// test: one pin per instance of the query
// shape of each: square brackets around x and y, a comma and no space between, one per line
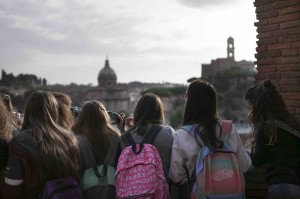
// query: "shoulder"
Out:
[82,140]
[184,134]
[23,144]
[168,129]
[186,130]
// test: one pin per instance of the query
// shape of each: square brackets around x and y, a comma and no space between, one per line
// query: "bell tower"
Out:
[230,48]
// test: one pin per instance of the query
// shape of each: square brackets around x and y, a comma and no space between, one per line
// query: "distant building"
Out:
[114,96]
[222,64]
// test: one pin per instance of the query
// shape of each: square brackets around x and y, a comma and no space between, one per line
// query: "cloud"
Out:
[208,3]
[70,27]
[43,37]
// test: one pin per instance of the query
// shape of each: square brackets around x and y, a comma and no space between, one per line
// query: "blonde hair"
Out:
[5,122]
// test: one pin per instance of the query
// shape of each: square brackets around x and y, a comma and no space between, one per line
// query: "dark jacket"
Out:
[24,148]
[22,164]
[281,160]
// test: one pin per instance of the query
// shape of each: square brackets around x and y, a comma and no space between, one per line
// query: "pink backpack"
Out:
[140,171]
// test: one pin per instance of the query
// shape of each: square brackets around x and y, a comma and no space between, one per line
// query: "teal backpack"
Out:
[99,180]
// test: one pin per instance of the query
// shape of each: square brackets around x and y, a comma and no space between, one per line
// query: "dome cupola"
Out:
[107,76]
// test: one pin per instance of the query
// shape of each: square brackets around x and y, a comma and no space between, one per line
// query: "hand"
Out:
[121,125]
[249,115]
[129,122]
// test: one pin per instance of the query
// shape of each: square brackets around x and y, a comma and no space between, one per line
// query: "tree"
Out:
[231,86]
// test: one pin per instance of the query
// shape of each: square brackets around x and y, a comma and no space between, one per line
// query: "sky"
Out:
[157,41]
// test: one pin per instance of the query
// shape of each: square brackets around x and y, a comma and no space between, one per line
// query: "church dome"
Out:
[107,76]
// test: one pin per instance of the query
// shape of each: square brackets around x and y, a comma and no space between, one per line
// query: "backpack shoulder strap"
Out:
[151,134]
[127,139]
[188,127]
[112,151]
[191,129]
[226,129]
[87,153]
[89,158]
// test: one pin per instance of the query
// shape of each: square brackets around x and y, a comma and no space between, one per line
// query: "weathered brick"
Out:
[285,67]
[282,39]
[266,68]
[263,8]
[295,37]
[298,110]
[289,24]
[290,88]
[277,33]
[286,60]
[267,14]
[264,35]
[296,44]
[265,61]
[294,30]
[289,52]
[292,110]
[268,28]
[291,96]
[282,48]
[260,76]
[273,75]
[290,74]
[264,41]
[284,4]
[258,3]
[261,48]
[291,9]
[279,46]
[295,103]
[261,22]
[284,18]
[274,53]
[296,67]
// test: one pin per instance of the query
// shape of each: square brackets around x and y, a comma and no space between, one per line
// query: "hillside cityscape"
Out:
[231,79]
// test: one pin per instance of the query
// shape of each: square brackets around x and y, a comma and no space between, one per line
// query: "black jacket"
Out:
[281,160]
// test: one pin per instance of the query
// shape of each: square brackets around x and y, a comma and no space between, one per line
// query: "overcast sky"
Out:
[158,41]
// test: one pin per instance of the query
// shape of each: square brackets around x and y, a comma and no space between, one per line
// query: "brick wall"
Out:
[278,47]
[278,59]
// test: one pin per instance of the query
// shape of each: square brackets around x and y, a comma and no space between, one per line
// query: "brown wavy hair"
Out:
[268,106]
[66,118]
[94,122]
[5,122]
[14,121]
[149,109]
[57,147]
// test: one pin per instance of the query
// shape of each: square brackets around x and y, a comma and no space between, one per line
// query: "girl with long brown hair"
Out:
[277,140]
[149,112]
[201,113]
[42,151]
[94,123]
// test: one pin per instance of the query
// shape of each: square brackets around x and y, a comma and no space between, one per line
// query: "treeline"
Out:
[21,80]
[231,86]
